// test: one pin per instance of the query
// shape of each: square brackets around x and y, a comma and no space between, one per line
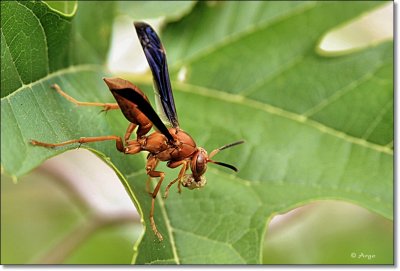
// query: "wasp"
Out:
[172,145]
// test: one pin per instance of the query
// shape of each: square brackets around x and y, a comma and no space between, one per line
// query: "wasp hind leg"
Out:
[118,142]
[106,106]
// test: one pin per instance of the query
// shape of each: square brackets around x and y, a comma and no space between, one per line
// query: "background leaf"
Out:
[66,7]
[91,41]
[141,10]
[335,232]
[54,217]
[254,75]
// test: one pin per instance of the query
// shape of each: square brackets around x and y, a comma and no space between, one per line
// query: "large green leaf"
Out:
[38,44]
[37,40]
[281,62]
[315,127]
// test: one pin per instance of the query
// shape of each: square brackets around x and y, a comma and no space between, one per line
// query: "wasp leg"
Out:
[118,142]
[175,164]
[106,106]
[129,131]
[148,182]
[143,129]
[151,165]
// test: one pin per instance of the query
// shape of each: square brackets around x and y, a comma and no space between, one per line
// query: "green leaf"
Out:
[257,76]
[285,62]
[252,72]
[91,33]
[141,10]
[38,46]
[36,40]
[65,7]
[24,47]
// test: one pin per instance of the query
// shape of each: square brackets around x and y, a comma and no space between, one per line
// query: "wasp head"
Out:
[198,166]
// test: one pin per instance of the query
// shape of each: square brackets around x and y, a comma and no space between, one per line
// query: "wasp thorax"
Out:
[192,183]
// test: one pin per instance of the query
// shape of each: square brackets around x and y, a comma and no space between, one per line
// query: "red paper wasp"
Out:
[165,144]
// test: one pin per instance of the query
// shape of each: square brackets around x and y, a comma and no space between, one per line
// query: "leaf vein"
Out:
[238,99]
[237,36]
[42,112]
[377,120]
[44,36]
[13,62]
[19,132]
[70,69]
[228,245]
[338,94]
[264,80]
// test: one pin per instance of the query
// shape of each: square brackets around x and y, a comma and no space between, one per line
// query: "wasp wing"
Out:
[157,59]
[125,89]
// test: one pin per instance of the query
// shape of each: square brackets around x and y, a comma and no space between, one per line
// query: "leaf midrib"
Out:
[169,228]
[238,99]
[274,110]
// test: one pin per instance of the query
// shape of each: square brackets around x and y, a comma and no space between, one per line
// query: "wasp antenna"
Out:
[224,165]
[214,152]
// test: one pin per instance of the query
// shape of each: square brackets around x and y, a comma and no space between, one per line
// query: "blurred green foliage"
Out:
[330,232]
[39,216]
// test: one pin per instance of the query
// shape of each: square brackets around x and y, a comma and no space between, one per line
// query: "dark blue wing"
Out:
[157,59]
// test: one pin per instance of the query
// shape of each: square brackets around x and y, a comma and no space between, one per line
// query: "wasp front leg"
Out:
[150,169]
[175,164]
